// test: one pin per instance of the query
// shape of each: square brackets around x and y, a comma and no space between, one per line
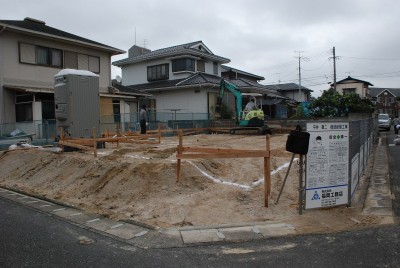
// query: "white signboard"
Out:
[327,177]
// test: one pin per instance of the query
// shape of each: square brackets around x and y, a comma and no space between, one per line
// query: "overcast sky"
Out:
[263,37]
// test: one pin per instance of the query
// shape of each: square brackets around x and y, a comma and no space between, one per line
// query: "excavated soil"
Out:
[138,182]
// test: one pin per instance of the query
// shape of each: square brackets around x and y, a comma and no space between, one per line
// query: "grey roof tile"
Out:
[206,79]
[41,28]
[350,79]
[226,68]
[288,87]
[376,91]
[172,51]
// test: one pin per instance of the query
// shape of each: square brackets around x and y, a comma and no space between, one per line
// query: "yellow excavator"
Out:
[251,119]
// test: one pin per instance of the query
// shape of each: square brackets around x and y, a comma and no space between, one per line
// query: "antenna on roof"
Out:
[144,43]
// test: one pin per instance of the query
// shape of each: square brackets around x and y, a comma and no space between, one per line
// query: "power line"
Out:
[358,58]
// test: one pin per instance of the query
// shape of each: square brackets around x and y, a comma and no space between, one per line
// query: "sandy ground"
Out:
[138,182]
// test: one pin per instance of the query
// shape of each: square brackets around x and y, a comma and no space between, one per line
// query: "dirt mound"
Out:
[138,182]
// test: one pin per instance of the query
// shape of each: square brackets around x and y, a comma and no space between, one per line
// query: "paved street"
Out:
[33,239]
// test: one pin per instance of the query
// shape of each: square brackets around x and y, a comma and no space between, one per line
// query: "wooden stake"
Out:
[62,137]
[159,132]
[94,142]
[267,173]
[178,170]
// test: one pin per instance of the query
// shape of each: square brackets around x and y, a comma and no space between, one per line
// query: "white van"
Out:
[384,121]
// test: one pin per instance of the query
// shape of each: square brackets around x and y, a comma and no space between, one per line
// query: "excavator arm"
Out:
[225,85]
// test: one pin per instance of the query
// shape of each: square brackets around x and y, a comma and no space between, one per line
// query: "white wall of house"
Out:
[359,88]
[209,68]
[294,94]
[188,101]
[134,74]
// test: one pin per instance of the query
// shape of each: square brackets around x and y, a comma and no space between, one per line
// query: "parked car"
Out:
[384,121]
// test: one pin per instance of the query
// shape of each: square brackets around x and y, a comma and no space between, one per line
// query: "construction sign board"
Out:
[327,168]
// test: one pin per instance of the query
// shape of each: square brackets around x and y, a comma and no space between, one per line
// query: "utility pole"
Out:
[299,58]
[334,68]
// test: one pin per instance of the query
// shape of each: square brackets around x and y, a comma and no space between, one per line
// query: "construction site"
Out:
[193,178]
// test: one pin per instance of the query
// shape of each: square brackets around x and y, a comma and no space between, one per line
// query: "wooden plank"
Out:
[74,145]
[222,155]
[218,150]
[212,153]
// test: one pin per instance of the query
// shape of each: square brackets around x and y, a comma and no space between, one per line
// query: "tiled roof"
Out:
[184,49]
[40,28]
[350,79]
[200,78]
[288,87]
[131,91]
[227,69]
[376,91]
[206,79]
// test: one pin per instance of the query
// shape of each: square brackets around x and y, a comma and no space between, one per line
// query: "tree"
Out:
[332,104]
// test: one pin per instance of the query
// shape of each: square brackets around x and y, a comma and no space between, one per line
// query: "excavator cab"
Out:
[247,119]
[252,115]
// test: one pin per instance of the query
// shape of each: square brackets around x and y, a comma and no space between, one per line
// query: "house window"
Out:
[157,72]
[391,99]
[348,90]
[116,111]
[81,61]
[23,107]
[379,99]
[215,68]
[40,55]
[201,66]
[180,65]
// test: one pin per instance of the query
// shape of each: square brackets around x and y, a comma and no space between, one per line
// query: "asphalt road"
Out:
[29,238]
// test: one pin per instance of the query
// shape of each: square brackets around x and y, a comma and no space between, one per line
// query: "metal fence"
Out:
[46,129]
[362,131]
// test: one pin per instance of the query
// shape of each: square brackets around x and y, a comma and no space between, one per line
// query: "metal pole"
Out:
[301,185]
[46,131]
[284,181]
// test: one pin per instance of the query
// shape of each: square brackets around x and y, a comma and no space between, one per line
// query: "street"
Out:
[33,239]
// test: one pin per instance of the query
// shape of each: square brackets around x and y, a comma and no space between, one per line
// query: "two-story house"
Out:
[352,85]
[386,100]
[31,53]
[184,80]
